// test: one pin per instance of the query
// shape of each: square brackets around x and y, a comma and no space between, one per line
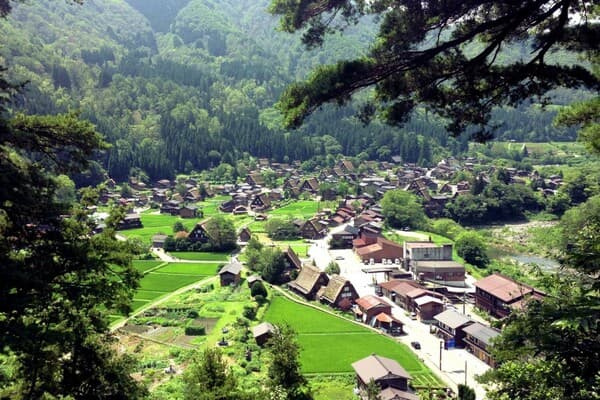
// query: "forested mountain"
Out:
[181,85]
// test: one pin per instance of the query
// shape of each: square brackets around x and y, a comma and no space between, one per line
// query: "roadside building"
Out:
[425,251]
[378,250]
[427,307]
[445,272]
[389,324]
[478,340]
[451,326]
[369,306]
[499,295]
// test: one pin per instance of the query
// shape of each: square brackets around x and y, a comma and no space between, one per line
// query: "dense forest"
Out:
[182,85]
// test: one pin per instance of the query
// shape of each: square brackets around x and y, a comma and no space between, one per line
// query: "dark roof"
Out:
[233,268]
[376,367]
[293,257]
[481,332]
[453,319]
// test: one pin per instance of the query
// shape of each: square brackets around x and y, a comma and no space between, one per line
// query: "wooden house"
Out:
[499,295]
[158,241]
[199,234]
[310,185]
[339,293]
[427,307]
[478,339]
[369,306]
[255,179]
[261,202]
[291,259]
[391,378]
[230,274]
[130,221]
[451,326]
[188,211]
[312,229]
[309,281]
[245,235]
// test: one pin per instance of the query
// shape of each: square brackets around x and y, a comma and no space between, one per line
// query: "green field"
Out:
[145,265]
[203,269]
[325,337]
[298,209]
[200,256]
[156,223]
[168,278]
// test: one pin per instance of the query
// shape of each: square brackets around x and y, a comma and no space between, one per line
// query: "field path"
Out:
[164,256]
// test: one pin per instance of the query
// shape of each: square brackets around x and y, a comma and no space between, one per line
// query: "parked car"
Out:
[413,315]
[416,345]
[339,258]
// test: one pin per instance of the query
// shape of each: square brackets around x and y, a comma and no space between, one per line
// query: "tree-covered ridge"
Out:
[177,86]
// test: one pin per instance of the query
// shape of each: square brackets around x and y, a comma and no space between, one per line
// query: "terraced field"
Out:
[325,337]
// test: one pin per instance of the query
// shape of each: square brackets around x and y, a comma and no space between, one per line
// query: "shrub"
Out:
[195,330]
[249,312]
[258,289]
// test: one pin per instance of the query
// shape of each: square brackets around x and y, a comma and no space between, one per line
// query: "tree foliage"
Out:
[471,246]
[402,209]
[281,229]
[57,280]
[284,369]
[551,348]
[209,378]
[447,56]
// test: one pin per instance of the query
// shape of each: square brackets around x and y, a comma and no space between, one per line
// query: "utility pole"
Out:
[441,348]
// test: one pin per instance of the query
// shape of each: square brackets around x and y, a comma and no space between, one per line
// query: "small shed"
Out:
[230,274]
[262,332]
[245,235]
[158,241]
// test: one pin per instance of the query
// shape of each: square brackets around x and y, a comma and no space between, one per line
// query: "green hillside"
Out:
[182,85]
